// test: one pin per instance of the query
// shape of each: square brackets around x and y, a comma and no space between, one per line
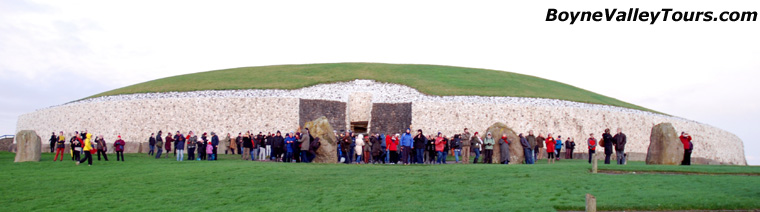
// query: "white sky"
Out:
[53,52]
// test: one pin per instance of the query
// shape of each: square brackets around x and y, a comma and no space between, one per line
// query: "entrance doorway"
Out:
[359,127]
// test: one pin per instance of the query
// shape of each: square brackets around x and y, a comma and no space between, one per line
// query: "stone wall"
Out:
[335,111]
[136,119]
[576,122]
[390,118]
[135,116]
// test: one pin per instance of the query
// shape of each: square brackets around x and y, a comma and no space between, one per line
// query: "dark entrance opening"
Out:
[359,127]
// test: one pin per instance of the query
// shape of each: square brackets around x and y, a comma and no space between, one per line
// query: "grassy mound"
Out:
[144,183]
[428,79]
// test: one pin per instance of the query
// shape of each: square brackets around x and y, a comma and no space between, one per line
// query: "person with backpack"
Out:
[687,148]
[159,144]
[60,146]
[504,149]
[118,147]
[620,141]
[591,147]
[607,143]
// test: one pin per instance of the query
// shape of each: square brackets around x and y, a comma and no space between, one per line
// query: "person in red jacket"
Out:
[391,142]
[118,147]
[550,143]
[591,147]
[687,147]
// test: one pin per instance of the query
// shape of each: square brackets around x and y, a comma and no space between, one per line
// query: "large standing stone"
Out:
[516,154]
[28,144]
[664,146]
[320,128]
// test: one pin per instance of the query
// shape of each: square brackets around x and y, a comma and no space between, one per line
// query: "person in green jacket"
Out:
[488,146]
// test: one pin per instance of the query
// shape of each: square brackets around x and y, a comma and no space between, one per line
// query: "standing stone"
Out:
[516,154]
[320,128]
[664,145]
[28,144]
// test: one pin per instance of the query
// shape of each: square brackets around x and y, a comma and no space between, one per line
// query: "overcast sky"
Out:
[53,52]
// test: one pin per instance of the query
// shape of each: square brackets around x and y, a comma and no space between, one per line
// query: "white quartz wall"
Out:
[576,122]
[134,120]
[135,116]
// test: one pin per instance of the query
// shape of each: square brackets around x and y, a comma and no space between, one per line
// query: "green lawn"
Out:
[429,79]
[147,184]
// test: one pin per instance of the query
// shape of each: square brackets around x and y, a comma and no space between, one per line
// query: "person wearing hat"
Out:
[86,149]
[504,149]
[477,144]
[192,143]
[466,144]
[214,144]
[419,146]
[118,147]
[688,147]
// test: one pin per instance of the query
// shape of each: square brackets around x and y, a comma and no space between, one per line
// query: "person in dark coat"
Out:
[247,146]
[278,142]
[569,147]
[101,147]
[608,143]
[620,141]
[152,144]
[214,144]
[202,146]
[419,146]
[168,143]
[192,143]
[180,147]
[527,150]
[53,140]
[504,149]
[159,144]
[377,148]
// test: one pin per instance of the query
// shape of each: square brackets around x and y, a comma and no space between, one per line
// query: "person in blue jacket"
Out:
[289,142]
[214,144]
[406,146]
[558,146]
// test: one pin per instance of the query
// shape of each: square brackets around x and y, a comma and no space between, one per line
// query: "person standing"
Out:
[202,143]
[152,144]
[377,149]
[358,149]
[53,141]
[465,140]
[101,147]
[86,148]
[248,145]
[446,147]
[477,145]
[591,147]
[60,146]
[527,149]
[76,146]
[558,148]
[305,141]
[550,143]
[192,143]
[406,147]
[620,141]
[539,149]
[159,145]
[569,147]
[209,151]
[278,143]
[488,146]
[168,141]
[269,142]
[180,148]
[439,144]
[430,153]
[118,147]
[177,139]
[687,148]
[228,144]
[504,149]
[607,142]
[215,145]
[392,143]
[289,143]
[533,145]
[419,146]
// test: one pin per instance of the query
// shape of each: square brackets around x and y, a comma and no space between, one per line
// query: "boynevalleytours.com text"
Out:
[651,17]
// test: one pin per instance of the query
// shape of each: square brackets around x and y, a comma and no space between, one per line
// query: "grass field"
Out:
[429,79]
[146,184]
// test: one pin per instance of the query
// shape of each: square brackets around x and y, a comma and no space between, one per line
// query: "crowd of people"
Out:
[400,148]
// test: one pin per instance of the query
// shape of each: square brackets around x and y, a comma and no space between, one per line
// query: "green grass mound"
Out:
[428,79]
[144,183]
